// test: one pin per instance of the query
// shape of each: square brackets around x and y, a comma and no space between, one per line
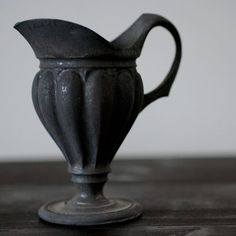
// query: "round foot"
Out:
[112,211]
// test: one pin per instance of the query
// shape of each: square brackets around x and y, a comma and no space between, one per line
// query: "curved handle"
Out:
[164,88]
[132,40]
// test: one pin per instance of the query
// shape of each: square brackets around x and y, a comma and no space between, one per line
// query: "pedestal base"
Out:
[111,211]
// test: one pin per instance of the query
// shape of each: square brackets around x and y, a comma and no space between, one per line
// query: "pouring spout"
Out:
[52,38]
[58,39]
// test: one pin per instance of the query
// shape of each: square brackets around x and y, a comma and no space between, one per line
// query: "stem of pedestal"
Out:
[90,189]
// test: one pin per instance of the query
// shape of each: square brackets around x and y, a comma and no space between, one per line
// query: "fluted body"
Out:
[88,112]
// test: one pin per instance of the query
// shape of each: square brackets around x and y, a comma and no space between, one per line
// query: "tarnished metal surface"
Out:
[88,94]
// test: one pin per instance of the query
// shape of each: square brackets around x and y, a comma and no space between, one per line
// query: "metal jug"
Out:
[88,94]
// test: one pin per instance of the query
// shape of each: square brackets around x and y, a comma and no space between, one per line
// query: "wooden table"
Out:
[183,197]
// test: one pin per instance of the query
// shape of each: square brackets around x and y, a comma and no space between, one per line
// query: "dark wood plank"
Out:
[180,197]
[164,170]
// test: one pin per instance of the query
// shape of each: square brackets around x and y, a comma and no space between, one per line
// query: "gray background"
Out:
[198,118]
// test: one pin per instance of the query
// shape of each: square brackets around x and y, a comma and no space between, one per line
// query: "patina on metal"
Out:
[88,94]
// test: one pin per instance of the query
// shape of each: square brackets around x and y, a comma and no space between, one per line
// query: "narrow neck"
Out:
[89,178]
[94,63]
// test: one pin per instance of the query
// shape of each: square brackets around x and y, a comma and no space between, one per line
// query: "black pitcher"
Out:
[88,94]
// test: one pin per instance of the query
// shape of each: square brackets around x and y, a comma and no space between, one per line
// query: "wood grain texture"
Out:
[187,197]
